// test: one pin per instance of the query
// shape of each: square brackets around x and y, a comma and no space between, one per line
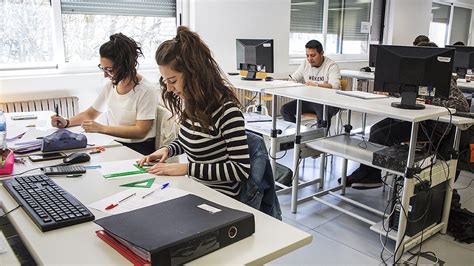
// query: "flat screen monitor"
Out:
[372,55]
[404,69]
[257,52]
[463,59]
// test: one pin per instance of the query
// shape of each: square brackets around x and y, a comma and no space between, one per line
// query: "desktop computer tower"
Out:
[418,205]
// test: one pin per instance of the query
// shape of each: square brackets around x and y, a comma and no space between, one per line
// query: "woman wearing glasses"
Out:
[128,98]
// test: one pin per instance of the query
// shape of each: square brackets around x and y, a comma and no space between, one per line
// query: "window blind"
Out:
[307,16]
[353,12]
[152,8]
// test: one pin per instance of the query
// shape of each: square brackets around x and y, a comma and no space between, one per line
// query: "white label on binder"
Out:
[266,45]
[444,59]
[209,208]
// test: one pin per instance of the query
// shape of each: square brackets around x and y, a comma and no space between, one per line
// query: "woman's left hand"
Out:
[91,126]
[172,169]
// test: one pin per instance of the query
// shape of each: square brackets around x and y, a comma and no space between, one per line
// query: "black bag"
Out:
[461,221]
[467,138]
[284,175]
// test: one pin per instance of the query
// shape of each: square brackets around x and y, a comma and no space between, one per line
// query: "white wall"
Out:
[85,86]
[221,22]
[408,19]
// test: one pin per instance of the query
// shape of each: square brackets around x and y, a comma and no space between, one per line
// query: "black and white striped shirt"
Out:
[219,159]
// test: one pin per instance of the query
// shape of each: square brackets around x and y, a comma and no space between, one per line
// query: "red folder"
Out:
[125,251]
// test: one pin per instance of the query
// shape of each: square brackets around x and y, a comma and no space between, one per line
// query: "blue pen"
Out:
[165,185]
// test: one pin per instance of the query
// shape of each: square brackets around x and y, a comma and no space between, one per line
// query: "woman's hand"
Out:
[91,126]
[58,121]
[173,169]
[161,155]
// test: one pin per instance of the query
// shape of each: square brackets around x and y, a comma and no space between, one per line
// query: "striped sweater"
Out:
[220,159]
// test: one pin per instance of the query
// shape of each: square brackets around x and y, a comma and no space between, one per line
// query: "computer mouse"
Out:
[268,79]
[77,157]
[366,69]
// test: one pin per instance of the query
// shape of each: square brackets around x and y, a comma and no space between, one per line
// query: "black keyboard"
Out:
[47,204]
[64,170]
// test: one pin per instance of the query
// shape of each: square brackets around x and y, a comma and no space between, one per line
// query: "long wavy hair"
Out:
[123,52]
[205,88]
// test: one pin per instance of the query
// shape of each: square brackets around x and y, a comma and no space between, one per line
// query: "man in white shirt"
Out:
[317,70]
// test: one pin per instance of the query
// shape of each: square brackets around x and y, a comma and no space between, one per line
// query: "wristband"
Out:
[67,123]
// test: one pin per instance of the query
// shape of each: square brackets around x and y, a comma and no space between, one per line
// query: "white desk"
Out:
[283,141]
[260,85]
[79,245]
[380,107]
[356,75]
[465,86]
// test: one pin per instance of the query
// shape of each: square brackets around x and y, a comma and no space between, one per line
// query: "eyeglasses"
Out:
[107,70]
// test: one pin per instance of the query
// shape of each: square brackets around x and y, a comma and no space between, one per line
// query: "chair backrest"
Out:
[167,128]
[344,83]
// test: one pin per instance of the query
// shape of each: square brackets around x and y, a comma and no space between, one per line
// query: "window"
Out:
[345,32]
[306,23]
[88,24]
[450,23]
[342,26]
[26,36]
[460,26]
[439,23]
[36,33]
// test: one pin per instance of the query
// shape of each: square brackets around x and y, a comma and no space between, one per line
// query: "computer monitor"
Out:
[463,59]
[256,52]
[372,55]
[404,69]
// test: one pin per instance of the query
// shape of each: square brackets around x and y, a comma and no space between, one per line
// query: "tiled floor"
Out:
[341,239]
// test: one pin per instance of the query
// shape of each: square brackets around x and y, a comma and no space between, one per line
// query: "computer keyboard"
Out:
[64,170]
[48,205]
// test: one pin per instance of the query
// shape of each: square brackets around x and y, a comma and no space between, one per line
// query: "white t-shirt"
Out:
[328,72]
[124,110]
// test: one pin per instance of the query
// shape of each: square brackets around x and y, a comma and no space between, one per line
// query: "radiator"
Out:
[67,106]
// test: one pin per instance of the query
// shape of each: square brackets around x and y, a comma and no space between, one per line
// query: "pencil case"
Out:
[7,162]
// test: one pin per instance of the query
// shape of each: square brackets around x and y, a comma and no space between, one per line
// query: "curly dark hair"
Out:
[205,86]
[123,52]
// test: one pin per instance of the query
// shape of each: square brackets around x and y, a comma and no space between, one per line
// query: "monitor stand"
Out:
[408,101]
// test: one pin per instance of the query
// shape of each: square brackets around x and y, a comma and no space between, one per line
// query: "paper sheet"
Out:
[13,131]
[136,201]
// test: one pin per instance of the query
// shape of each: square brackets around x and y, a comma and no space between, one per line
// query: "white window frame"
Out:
[295,59]
[60,66]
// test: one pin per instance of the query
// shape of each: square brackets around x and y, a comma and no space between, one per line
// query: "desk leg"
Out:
[408,186]
[296,157]
[449,191]
[364,122]
[273,139]
[322,163]
[344,160]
